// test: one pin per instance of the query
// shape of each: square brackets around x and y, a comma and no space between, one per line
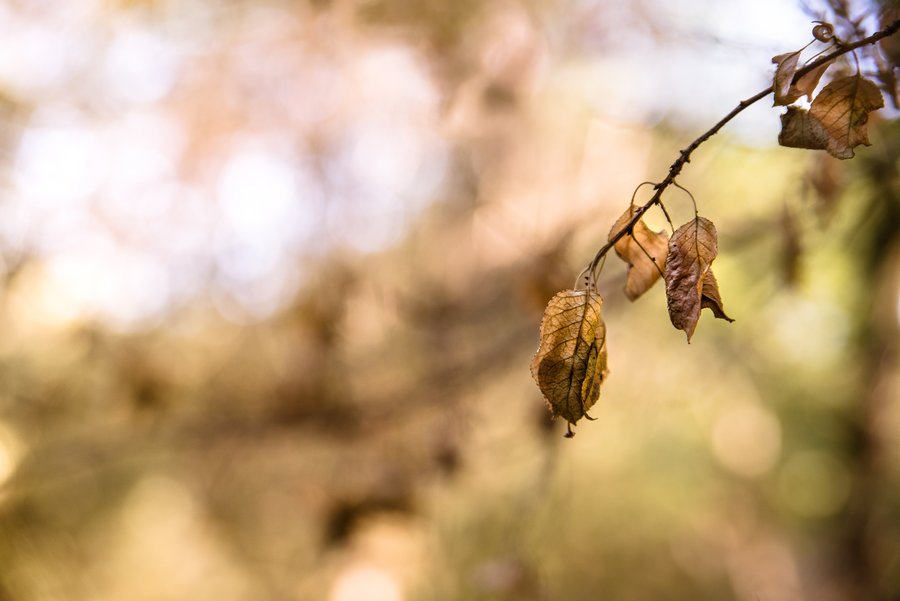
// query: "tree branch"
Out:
[685,155]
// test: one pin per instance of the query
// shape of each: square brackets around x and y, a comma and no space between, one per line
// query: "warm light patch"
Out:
[746,439]
[10,452]
[363,582]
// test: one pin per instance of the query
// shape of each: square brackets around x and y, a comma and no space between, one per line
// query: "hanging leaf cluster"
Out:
[837,118]
[571,362]
[570,365]
[684,262]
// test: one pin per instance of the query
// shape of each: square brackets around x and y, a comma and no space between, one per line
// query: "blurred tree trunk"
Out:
[869,537]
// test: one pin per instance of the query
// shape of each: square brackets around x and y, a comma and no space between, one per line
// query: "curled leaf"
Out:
[843,107]
[710,298]
[784,74]
[824,32]
[570,364]
[690,283]
[645,252]
[807,83]
[788,92]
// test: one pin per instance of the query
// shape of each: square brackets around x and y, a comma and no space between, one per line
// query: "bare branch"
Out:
[685,155]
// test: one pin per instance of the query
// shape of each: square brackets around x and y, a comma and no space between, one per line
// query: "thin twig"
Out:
[685,155]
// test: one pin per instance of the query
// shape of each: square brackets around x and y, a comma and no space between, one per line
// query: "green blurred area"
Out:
[273,275]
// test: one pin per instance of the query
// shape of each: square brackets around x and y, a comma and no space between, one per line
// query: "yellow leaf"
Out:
[690,283]
[570,364]
[843,107]
[645,252]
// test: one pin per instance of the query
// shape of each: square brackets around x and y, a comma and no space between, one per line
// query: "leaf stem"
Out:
[688,192]
[685,155]
[640,185]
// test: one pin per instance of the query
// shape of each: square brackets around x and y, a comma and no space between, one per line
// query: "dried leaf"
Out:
[710,298]
[824,32]
[843,107]
[787,92]
[690,283]
[784,74]
[806,85]
[570,364]
[800,130]
[645,252]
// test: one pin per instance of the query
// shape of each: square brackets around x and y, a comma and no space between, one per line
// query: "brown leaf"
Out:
[710,298]
[800,130]
[806,85]
[645,252]
[784,74]
[570,364]
[787,92]
[690,283]
[824,32]
[843,107]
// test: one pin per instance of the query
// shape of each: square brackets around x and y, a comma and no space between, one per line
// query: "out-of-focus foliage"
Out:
[271,278]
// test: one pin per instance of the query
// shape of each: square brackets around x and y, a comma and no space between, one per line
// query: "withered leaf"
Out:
[843,107]
[710,298]
[824,32]
[690,283]
[801,130]
[806,85]
[784,74]
[645,252]
[787,92]
[570,364]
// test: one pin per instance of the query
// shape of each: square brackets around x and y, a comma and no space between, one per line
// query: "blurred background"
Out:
[271,276]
